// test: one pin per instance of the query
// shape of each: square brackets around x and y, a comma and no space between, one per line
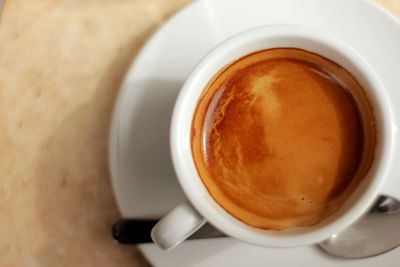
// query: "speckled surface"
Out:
[61,64]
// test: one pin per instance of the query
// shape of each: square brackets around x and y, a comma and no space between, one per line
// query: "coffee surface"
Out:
[282,137]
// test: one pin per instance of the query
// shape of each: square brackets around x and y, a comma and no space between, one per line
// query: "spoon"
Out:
[375,233]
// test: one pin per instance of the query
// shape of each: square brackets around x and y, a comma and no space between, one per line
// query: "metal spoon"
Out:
[375,233]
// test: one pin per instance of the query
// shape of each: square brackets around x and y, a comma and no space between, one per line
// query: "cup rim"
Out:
[180,138]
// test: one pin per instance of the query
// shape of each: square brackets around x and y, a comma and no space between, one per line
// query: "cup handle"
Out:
[177,226]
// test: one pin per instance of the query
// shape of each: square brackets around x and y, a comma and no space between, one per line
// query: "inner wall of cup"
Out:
[368,189]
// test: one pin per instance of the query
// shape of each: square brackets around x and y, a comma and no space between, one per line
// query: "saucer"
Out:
[142,174]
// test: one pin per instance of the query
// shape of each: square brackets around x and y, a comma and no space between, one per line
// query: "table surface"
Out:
[61,66]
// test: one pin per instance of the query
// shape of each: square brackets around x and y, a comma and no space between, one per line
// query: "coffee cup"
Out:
[202,205]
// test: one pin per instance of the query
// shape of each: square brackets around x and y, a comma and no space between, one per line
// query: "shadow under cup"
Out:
[283,37]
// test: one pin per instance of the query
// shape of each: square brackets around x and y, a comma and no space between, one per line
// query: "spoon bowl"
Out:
[375,233]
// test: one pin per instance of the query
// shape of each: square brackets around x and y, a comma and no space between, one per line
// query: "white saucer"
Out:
[142,173]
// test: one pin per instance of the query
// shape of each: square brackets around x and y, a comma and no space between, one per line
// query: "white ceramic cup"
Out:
[200,208]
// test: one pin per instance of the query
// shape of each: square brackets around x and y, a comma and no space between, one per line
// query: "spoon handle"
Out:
[131,231]
[127,231]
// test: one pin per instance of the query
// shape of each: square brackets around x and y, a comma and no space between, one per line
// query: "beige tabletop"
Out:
[61,65]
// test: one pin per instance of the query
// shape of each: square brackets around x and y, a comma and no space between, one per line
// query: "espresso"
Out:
[282,137]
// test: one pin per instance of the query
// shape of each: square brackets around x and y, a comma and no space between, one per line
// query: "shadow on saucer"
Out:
[147,183]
